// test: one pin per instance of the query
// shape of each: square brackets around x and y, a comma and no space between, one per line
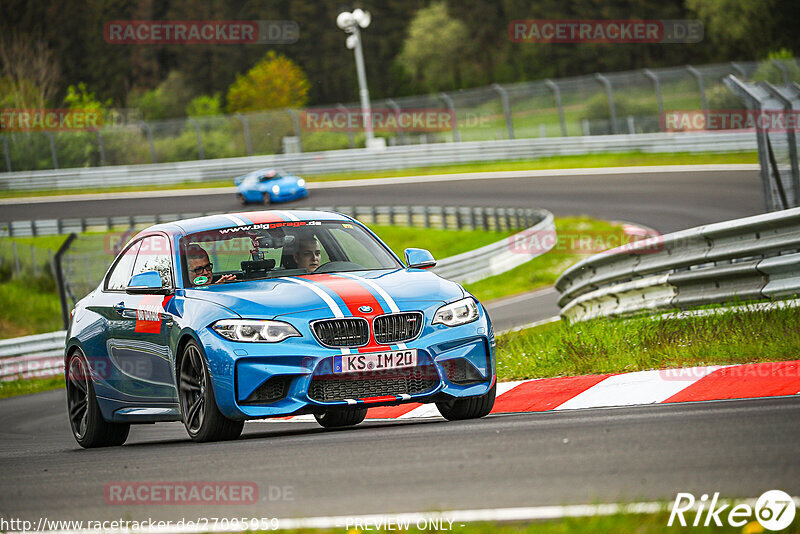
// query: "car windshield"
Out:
[271,250]
[271,175]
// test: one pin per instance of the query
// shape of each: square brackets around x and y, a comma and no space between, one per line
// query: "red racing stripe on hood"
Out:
[354,296]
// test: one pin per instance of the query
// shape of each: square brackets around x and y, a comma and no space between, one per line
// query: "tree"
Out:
[274,82]
[743,29]
[78,97]
[29,73]
[434,48]
[769,72]
[203,106]
[167,101]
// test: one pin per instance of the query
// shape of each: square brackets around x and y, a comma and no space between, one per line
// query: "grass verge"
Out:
[441,243]
[576,238]
[29,306]
[13,388]
[623,159]
[642,343]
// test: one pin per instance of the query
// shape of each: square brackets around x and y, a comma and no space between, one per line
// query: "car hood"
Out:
[285,181]
[408,288]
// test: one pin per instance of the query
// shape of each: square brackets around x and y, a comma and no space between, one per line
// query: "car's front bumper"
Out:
[286,196]
[296,375]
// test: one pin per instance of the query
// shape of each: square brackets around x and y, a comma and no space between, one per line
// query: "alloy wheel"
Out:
[193,381]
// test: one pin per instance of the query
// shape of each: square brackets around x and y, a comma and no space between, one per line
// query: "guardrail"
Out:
[472,218]
[496,258]
[36,356]
[352,160]
[745,259]
[42,355]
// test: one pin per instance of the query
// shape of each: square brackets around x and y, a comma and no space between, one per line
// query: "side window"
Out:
[355,250]
[121,273]
[154,255]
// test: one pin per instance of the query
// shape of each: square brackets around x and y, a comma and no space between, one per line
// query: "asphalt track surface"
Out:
[739,448]
[665,201]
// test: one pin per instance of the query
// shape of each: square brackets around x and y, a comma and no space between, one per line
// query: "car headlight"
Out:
[457,313]
[256,331]
[301,182]
[276,189]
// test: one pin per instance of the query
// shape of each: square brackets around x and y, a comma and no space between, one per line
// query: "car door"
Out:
[94,338]
[137,345]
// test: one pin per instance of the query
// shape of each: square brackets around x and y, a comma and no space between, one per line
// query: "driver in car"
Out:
[308,253]
[199,266]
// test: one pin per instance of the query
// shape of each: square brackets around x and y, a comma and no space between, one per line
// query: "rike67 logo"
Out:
[774,510]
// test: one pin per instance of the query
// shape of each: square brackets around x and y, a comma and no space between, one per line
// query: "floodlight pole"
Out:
[363,92]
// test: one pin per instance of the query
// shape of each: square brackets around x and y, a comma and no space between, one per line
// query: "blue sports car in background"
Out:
[216,320]
[266,186]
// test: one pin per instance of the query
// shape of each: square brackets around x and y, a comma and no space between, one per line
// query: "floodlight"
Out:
[345,20]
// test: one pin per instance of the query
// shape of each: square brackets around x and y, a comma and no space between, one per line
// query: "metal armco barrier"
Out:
[43,355]
[36,356]
[496,258]
[361,159]
[420,216]
[744,259]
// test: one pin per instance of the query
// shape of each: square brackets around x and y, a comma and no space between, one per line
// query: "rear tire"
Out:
[85,419]
[340,418]
[240,199]
[201,417]
[468,408]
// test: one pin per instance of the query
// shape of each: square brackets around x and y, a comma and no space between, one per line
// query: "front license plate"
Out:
[375,361]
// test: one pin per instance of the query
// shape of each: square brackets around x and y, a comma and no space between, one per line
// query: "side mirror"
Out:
[419,258]
[147,283]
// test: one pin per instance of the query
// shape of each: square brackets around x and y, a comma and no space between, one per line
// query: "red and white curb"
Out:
[689,384]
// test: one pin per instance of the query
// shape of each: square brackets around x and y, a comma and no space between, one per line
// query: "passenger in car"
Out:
[308,253]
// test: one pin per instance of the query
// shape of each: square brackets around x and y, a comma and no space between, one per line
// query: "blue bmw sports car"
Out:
[266,186]
[216,320]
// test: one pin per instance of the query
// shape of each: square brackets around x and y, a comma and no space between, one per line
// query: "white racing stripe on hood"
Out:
[287,215]
[337,311]
[236,220]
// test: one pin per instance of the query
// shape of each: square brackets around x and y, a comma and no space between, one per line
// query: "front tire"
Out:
[267,200]
[468,408]
[340,418]
[201,417]
[85,419]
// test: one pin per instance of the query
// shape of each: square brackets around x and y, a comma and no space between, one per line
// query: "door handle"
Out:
[119,307]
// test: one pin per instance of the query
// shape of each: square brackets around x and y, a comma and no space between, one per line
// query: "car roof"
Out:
[246,218]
